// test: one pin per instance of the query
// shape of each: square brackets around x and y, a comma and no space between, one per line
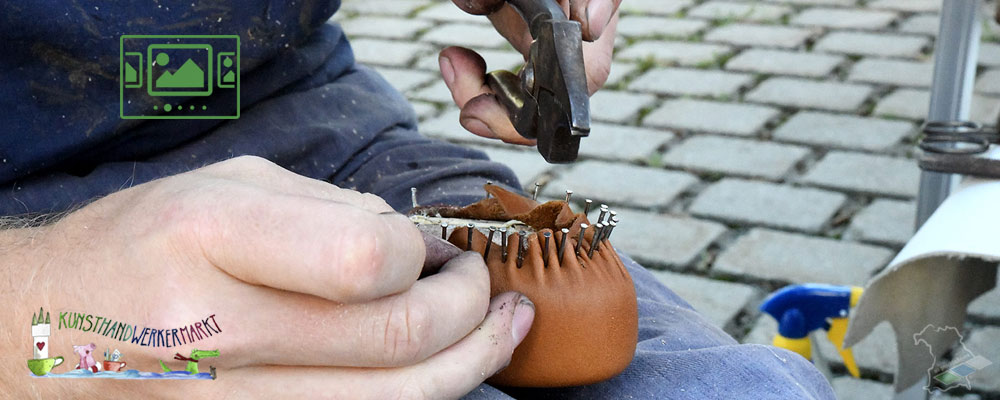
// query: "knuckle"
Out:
[407,331]
[361,262]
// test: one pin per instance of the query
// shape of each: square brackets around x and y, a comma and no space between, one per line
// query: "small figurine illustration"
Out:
[41,364]
[86,358]
[192,361]
[113,361]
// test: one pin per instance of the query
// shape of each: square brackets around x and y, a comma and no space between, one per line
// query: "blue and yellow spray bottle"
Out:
[802,309]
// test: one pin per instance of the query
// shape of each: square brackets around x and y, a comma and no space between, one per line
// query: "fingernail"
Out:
[478,127]
[524,315]
[447,71]
[598,15]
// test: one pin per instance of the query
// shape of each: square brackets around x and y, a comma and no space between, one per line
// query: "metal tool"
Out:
[569,193]
[586,206]
[413,196]
[548,100]
[534,195]
[444,231]
[579,240]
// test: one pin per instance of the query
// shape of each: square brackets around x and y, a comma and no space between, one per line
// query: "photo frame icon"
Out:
[179,77]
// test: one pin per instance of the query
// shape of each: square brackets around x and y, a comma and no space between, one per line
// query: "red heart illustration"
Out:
[40,345]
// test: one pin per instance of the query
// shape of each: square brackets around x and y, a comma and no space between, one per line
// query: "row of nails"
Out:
[606,223]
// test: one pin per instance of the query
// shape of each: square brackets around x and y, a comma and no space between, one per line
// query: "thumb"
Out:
[485,351]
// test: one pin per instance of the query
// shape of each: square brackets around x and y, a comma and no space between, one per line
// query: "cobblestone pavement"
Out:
[769,142]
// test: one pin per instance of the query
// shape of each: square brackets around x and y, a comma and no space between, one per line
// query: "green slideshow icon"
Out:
[179,77]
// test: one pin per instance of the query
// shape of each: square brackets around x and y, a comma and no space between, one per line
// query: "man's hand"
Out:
[315,290]
[464,71]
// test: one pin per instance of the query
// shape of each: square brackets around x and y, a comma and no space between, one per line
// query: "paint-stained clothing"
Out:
[308,107]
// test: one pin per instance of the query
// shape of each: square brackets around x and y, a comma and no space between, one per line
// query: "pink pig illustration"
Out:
[86,358]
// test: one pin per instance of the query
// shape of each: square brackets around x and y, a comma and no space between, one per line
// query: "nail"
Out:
[562,247]
[468,244]
[522,245]
[569,193]
[489,243]
[503,243]
[586,206]
[478,127]
[534,195]
[594,239]
[447,71]
[444,231]
[524,315]
[579,240]
[596,20]
[413,196]
[545,248]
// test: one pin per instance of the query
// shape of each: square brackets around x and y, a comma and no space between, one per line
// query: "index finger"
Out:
[329,249]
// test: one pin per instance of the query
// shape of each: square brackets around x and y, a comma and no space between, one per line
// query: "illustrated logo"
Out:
[114,365]
[956,373]
[179,77]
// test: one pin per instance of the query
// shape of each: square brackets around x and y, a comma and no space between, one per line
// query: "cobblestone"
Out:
[447,127]
[405,79]
[884,221]
[989,54]
[619,70]
[987,305]
[907,5]
[387,52]
[640,235]
[726,10]
[621,184]
[842,18]
[804,93]
[436,93]
[691,82]
[467,35]
[702,294]
[526,164]
[760,35]
[843,131]
[783,62]
[398,8]
[616,106]
[779,256]
[740,119]
[989,82]
[914,104]
[816,2]
[983,342]
[623,143]
[921,24]
[655,7]
[866,173]
[683,53]
[448,12]
[495,59]
[735,156]
[873,44]
[893,72]
[376,27]
[643,26]
[767,204]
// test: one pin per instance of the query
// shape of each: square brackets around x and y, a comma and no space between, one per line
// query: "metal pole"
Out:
[956,55]
[955,58]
